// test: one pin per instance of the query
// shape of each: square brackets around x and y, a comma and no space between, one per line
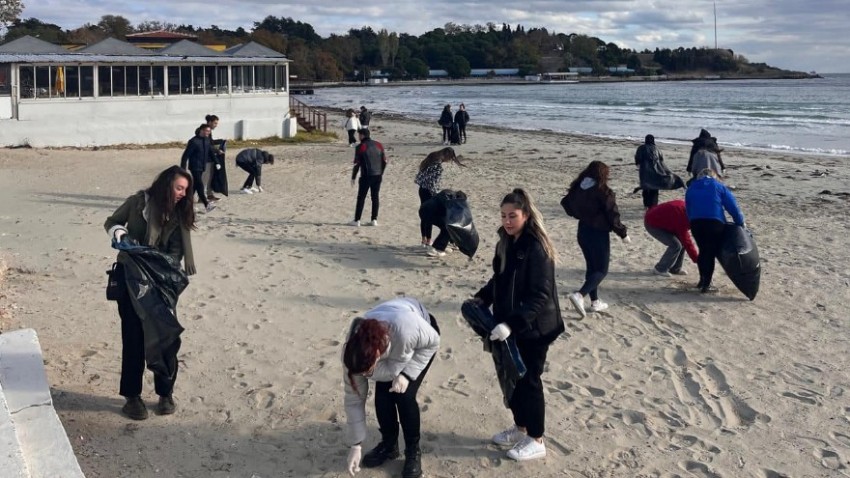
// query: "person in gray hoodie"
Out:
[393,345]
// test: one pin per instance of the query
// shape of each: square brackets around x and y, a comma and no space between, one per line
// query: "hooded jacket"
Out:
[199,151]
[445,119]
[461,117]
[704,142]
[413,342]
[707,198]
[594,207]
[524,294]
[671,216]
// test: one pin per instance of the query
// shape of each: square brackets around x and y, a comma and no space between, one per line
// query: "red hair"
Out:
[368,342]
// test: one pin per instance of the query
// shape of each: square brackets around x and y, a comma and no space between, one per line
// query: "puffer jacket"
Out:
[594,207]
[198,153]
[524,295]
[413,342]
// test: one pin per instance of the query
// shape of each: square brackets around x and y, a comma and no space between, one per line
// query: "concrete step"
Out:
[46,450]
[11,456]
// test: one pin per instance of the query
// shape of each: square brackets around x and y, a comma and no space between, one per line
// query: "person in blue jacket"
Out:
[705,202]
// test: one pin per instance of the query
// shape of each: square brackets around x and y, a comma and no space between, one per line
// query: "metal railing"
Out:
[314,118]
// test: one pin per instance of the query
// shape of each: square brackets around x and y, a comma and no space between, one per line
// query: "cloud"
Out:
[785,33]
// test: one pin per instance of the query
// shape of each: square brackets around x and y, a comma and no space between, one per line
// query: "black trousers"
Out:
[708,234]
[392,408]
[252,175]
[527,403]
[424,224]
[596,247]
[133,355]
[351,138]
[462,130]
[200,188]
[446,133]
[650,197]
[368,184]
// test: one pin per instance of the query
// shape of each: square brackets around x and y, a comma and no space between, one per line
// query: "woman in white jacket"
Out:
[352,125]
[392,345]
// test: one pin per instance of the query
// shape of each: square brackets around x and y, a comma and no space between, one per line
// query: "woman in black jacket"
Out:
[594,204]
[524,297]
[195,157]
[446,120]
[461,118]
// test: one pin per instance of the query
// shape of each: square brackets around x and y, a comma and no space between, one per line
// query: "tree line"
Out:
[457,49]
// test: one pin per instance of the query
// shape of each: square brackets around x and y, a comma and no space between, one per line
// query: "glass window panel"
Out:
[221,71]
[5,80]
[264,80]
[174,87]
[72,81]
[104,81]
[145,80]
[119,81]
[248,78]
[86,81]
[43,82]
[280,79]
[210,80]
[158,77]
[27,74]
[236,79]
[186,79]
[198,80]
[132,80]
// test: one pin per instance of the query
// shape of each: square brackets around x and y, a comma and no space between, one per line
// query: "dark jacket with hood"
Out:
[198,152]
[445,119]
[704,142]
[594,207]
[524,295]
[652,171]
[461,117]
[365,117]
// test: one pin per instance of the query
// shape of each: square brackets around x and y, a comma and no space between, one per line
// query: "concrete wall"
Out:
[141,120]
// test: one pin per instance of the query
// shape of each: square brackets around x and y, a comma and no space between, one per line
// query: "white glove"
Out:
[260,188]
[353,460]
[400,384]
[217,166]
[118,234]
[500,332]
[627,239]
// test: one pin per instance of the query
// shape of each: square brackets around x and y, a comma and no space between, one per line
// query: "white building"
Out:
[113,92]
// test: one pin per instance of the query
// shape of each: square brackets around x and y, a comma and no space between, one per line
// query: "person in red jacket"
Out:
[668,222]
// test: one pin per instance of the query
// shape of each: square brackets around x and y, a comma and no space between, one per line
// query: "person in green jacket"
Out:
[163,217]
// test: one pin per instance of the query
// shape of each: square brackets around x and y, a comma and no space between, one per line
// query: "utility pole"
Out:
[715,24]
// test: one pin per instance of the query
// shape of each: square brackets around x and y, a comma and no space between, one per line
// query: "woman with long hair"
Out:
[393,345]
[593,203]
[445,121]
[352,125]
[161,216]
[524,298]
[428,179]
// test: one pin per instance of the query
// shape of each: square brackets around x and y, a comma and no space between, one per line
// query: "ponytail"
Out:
[534,226]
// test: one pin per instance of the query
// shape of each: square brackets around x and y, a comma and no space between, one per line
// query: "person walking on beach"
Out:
[365,117]
[428,179]
[251,161]
[653,173]
[215,174]
[461,119]
[370,161]
[593,203]
[524,298]
[705,153]
[196,156]
[352,125]
[446,121]
[393,345]
[161,217]
[705,201]
[668,222]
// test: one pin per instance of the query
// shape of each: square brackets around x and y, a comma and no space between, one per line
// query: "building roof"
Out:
[188,48]
[253,49]
[111,46]
[151,58]
[160,34]
[31,46]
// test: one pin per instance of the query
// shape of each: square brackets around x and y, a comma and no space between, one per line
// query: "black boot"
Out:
[412,463]
[135,408]
[381,453]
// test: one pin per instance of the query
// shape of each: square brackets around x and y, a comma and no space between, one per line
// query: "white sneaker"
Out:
[578,303]
[527,449]
[434,253]
[449,248]
[354,223]
[256,189]
[598,306]
[246,191]
[509,437]
[660,273]
[373,222]
[209,207]
[680,272]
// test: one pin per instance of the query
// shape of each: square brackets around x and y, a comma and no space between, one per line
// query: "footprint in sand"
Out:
[454,383]
[765,473]
[698,469]
[804,396]
[828,459]
[261,399]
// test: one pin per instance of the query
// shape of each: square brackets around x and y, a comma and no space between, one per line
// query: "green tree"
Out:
[35,28]
[115,26]
[416,68]
[10,11]
[458,67]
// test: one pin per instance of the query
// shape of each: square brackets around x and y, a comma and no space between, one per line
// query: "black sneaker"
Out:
[166,405]
[135,408]
[381,453]
[412,464]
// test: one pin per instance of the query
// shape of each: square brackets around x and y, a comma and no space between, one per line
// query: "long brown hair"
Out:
[534,226]
[442,156]
[161,194]
[596,170]
[370,340]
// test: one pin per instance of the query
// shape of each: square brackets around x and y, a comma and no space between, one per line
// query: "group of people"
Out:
[454,126]
[356,121]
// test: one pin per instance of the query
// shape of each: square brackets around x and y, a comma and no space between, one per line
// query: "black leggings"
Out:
[447,131]
[133,355]
[424,226]
[198,183]
[650,197]
[527,403]
[252,175]
[708,234]
[392,408]
[596,247]
[368,184]
[351,139]
[462,131]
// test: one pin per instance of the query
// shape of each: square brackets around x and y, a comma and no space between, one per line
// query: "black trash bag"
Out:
[509,365]
[739,257]
[454,134]
[154,282]
[459,225]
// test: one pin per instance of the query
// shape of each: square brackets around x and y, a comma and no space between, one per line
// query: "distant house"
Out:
[159,39]
[114,92]
[499,72]
[581,70]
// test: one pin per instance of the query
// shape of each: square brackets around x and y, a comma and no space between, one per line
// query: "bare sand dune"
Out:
[665,383]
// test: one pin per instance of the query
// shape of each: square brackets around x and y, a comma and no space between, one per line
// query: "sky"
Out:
[804,35]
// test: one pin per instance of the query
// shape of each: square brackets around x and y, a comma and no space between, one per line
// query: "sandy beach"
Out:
[666,383]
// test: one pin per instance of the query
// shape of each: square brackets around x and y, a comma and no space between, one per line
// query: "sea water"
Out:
[805,116]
